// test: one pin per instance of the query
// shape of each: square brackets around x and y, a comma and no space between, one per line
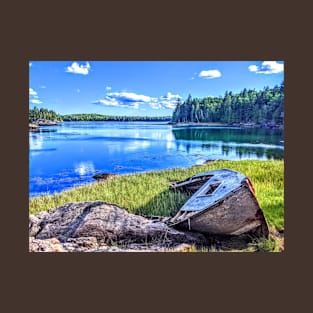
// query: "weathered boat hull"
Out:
[233,213]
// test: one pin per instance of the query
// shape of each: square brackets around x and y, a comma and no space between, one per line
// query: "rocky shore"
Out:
[36,124]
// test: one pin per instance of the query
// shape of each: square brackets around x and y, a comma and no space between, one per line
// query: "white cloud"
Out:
[129,97]
[35,101]
[136,145]
[135,106]
[155,105]
[133,100]
[32,92]
[253,68]
[30,64]
[107,88]
[107,102]
[267,67]
[210,74]
[169,100]
[43,87]
[124,99]
[75,68]
[171,96]
[33,96]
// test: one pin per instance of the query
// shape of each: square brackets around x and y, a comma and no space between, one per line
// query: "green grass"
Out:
[148,193]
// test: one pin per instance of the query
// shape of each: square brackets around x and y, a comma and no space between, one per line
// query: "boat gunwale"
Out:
[215,177]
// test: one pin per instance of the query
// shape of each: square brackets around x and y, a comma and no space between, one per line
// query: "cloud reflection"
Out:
[35,141]
[137,145]
[35,144]
[84,168]
[170,141]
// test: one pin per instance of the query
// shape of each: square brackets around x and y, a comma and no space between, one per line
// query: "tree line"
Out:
[100,117]
[36,114]
[247,106]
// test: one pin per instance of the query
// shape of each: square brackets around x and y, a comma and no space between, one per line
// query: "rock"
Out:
[104,176]
[34,225]
[87,226]
[210,161]
[90,244]
[33,126]
[184,248]
[48,245]
[81,244]
[135,247]
[43,122]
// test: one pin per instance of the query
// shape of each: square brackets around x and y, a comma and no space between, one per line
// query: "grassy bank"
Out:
[149,194]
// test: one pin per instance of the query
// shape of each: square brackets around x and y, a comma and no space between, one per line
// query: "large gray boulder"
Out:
[90,226]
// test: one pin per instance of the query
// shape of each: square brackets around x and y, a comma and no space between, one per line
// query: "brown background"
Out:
[160,30]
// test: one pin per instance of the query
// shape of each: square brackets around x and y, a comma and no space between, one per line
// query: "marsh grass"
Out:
[149,194]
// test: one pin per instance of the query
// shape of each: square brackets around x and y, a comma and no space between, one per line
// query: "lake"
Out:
[67,155]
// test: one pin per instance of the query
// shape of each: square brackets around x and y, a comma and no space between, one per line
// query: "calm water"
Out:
[70,154]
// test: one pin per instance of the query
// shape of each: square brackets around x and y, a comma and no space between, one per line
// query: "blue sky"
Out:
[149,88]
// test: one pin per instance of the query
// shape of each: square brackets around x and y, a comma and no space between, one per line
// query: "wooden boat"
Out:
[223,203]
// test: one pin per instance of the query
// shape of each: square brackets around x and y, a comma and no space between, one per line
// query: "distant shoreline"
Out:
[35,126]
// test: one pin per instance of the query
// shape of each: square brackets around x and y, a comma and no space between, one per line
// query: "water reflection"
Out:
[231,143]
[137,145]
[71,154]
[35,141]
[47,130]
[235,135]
[84,168]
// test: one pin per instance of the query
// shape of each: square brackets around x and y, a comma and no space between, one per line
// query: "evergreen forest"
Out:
[247,106]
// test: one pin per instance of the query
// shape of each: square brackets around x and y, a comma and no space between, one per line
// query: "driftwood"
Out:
[96,226]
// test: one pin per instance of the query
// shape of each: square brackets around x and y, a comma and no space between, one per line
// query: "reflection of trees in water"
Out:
[188,147]
[260,152]
[274,154]
[245,135]
[226,150]
[233,151]
[270,153]
[214,139]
